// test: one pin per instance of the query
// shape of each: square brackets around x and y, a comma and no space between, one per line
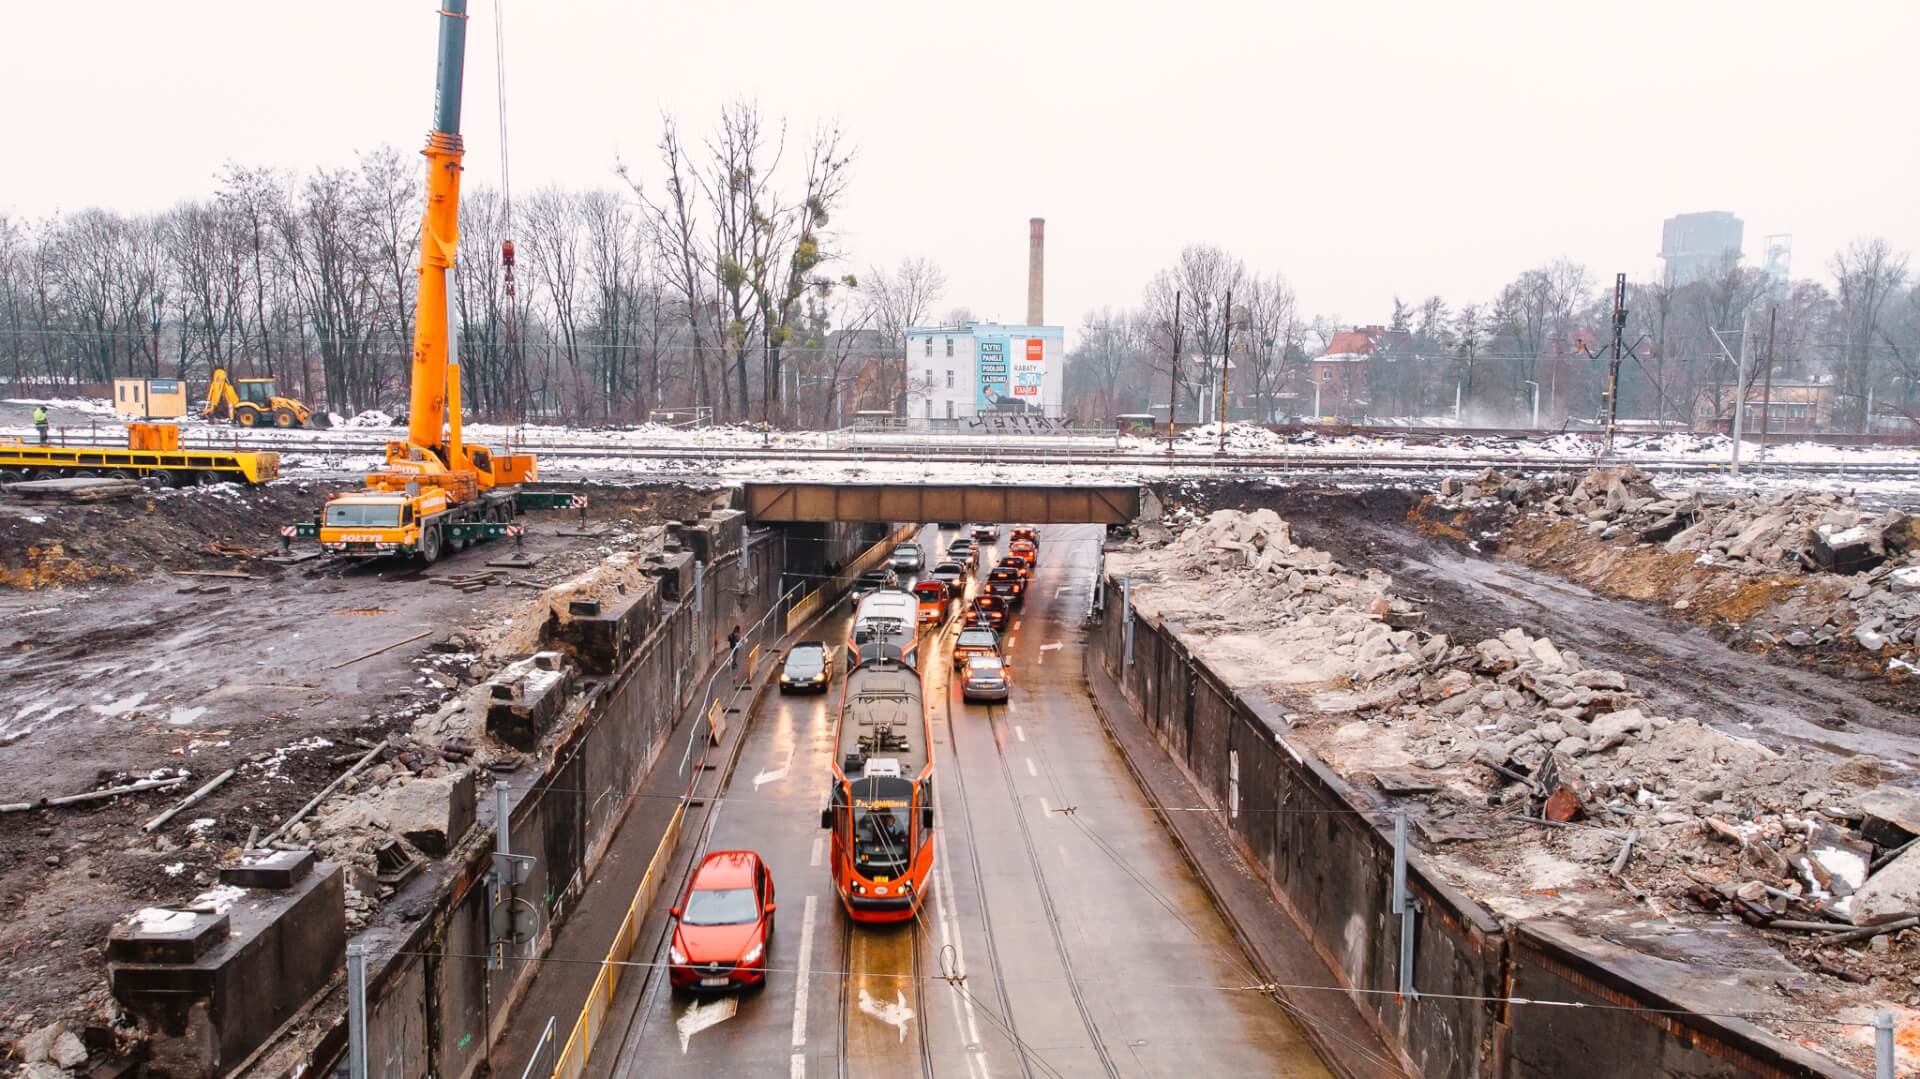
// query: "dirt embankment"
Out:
[46,545]
[116,665]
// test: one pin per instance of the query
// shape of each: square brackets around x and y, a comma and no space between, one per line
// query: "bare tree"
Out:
[896,300]
[1866,275]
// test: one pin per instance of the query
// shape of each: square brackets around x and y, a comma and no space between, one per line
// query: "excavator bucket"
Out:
[319,418]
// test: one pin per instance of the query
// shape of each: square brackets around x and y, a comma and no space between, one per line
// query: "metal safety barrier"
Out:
[572,1062]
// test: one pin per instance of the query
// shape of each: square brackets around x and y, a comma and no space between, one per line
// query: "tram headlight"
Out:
[859,888]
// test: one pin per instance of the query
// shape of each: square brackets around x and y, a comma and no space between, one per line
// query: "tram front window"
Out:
[880,837]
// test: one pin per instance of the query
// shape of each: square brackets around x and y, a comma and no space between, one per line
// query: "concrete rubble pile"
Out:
[1794,531]
[1295,609]
[1513,729]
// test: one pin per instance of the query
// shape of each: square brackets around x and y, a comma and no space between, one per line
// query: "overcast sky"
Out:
[1363,149]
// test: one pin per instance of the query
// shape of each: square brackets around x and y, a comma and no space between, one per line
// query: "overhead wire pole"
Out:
[1766,394]
[1613,365]
[1173,384]
[1226,350]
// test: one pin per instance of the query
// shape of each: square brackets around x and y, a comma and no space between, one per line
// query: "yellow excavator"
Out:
[256,402]
[436,493]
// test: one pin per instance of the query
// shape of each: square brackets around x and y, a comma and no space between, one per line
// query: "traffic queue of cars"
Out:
[723,925]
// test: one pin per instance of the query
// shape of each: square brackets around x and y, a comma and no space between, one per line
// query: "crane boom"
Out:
[439,240]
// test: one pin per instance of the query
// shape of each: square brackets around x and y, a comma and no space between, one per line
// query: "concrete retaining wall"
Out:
[1331,869]
[435,1002]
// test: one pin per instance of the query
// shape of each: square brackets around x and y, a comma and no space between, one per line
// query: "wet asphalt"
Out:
[1065,935]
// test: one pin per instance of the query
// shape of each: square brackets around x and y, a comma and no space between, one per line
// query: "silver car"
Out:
[907,558]
[985,680]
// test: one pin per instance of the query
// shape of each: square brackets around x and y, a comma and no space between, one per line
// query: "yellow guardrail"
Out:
[810,604]
[572,1062]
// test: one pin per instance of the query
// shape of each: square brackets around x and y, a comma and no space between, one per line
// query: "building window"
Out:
[949,405]
[949,346]
[929,409]
[949,375]
[930,382]
[929,346]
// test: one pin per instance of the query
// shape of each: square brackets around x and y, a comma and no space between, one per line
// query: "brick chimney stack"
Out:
[1036,271]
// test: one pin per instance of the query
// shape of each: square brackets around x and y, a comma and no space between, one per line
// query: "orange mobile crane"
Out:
[436,493]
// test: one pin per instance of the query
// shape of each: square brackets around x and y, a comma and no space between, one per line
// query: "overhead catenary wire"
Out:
[1253,987]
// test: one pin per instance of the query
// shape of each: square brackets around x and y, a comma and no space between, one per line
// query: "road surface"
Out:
[1065,936]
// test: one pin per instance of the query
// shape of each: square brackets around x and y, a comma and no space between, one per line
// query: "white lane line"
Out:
[1020,732]
[951,935]
[803,980]
[1016,624]
[1046,807]
[1031,770]
[819,848]
[798,1069]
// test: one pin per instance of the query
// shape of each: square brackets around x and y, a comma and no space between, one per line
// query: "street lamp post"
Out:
[1535,425]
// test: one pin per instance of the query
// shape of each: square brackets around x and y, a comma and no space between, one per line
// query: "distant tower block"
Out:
[1779,248]
[1036,271]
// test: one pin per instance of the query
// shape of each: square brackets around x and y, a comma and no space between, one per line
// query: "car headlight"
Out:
[821,677]
[753,954]
[675,955]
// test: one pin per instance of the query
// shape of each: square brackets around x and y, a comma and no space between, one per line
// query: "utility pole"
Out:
[1613,364]
[1740,394]
[1226,350]
[1173,387]
[1766,398]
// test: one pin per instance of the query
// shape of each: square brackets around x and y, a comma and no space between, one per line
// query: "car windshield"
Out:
[947,568]
[374,514]
[986,665]
[976,638]
[906,550]
[804,660]
[720,906]
[873,578]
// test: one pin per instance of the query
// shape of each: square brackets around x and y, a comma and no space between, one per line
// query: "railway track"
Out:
[1029,454]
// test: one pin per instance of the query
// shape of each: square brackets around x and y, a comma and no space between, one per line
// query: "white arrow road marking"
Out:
[702,1014]
[894,1015]
[772,775]
[1054,647]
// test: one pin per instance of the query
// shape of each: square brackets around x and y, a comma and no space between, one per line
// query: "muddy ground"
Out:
[117,663]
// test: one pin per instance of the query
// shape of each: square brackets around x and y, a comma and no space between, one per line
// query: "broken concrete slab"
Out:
[1891,893]
[1897,805]
[433,814]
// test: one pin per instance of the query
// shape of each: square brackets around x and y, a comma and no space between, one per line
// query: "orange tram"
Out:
[880,809]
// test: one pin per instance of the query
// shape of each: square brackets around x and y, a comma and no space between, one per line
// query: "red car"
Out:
[724,926]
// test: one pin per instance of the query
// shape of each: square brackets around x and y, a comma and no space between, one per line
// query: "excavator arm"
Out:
[220,396]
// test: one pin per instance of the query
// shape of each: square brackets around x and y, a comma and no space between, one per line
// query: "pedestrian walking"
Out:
[40,422]
[733,649]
